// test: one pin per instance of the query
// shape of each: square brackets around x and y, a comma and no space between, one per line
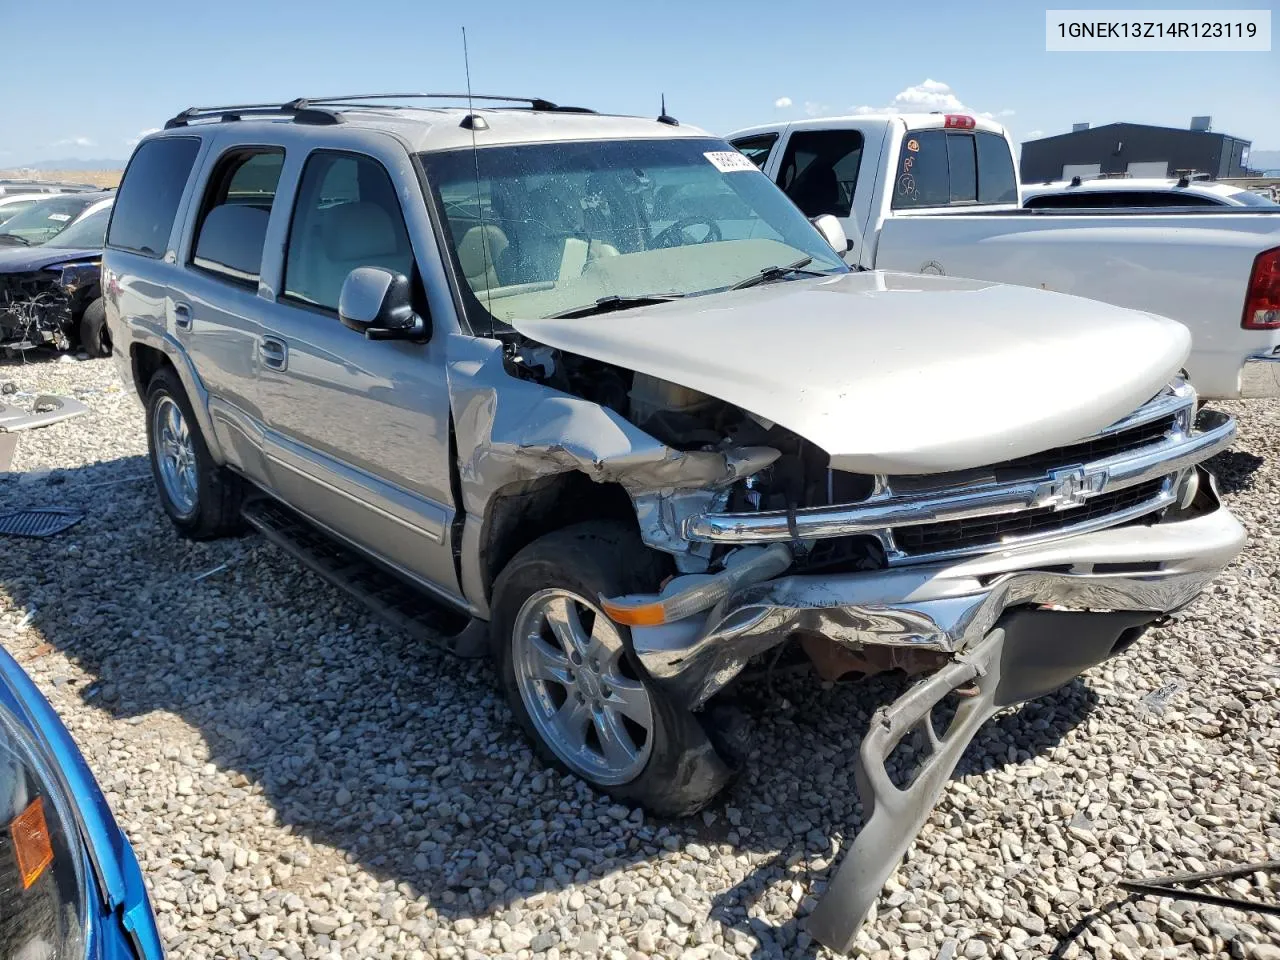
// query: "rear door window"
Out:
[235,212]
[819,171]
[756,149]
[147,201]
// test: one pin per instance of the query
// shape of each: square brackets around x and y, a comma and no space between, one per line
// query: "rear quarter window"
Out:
[147,200]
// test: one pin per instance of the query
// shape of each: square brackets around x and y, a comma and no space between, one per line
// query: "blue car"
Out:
[70,885]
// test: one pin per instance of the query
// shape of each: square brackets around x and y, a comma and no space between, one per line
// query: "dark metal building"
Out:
[1135,149]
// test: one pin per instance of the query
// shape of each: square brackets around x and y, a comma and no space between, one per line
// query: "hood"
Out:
[21,259]
[897,373]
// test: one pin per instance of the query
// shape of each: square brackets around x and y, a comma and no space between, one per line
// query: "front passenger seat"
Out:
[360,234]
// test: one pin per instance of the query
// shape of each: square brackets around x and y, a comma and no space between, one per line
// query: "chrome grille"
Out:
[950,535]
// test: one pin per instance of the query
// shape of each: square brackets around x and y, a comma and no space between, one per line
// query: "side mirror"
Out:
[378,303]
[830,229]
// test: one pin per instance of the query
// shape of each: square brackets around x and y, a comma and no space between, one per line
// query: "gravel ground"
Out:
[300,780]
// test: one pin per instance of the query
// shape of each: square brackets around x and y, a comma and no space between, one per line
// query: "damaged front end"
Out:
[38,307]
[1000,583]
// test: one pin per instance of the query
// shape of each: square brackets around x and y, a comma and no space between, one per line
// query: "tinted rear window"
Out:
[997,183]
[147,201]
[922,171]
[938,168]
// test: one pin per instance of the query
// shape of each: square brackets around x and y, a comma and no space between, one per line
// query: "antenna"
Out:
[664,117]
[473,123]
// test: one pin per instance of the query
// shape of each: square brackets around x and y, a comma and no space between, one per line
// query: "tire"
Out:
[675,769]
[201,498]
[95,338]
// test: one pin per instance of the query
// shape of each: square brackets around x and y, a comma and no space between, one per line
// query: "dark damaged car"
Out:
[50,261]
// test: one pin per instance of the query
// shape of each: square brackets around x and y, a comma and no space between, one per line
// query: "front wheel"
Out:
[575,686]
[95,338]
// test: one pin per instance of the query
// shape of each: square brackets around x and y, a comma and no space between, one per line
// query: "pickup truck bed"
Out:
[938,194]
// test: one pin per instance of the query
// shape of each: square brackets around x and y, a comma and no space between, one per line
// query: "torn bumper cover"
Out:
[1019,622]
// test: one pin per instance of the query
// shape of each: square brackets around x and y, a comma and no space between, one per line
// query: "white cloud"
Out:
[782,103]
[73,142]
[1035,134]
[140,134]
[927,97]
[814,109]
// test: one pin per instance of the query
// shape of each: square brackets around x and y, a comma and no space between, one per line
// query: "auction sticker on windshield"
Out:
[730,161]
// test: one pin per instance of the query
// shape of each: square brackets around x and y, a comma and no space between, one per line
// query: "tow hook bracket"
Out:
[893,816]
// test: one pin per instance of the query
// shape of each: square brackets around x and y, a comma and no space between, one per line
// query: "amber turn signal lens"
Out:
[647,615]
[31,842]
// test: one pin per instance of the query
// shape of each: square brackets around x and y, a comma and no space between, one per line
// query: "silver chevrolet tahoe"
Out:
[590,394]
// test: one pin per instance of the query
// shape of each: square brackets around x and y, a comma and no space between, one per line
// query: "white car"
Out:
[935,193]
[1138,192]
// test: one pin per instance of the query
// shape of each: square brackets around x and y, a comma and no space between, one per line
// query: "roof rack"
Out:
[313,109]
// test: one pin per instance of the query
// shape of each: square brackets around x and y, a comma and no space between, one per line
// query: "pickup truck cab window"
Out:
[997,182]
[233,219]
[938,168]
[346,216]
[147,202]
[820,170]
[757,149]
[544,228]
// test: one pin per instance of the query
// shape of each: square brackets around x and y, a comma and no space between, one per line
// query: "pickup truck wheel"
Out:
[95,339]
[201,498]
[575,686]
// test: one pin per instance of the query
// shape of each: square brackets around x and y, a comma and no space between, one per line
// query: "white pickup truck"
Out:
[935,193]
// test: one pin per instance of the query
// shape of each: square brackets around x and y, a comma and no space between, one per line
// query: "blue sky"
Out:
[124,67]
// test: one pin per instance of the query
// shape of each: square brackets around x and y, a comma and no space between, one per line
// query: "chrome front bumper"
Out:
[948,608]
[1260,377]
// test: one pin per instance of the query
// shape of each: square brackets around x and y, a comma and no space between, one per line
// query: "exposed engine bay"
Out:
[40,307]
[688,420]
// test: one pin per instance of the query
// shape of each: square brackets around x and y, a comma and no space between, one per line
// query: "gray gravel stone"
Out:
[301,781]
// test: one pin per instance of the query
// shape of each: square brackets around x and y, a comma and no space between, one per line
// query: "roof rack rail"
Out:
[314,109]
[535,103]
[296,110]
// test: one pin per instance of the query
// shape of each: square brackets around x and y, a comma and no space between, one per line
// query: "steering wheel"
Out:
[674,235]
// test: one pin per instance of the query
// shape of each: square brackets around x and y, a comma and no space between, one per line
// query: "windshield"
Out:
[46,219]
[88,233]
[551,227]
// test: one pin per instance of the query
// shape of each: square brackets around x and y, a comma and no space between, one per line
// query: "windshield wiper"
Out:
[613,304]
[8,237]
[771,274]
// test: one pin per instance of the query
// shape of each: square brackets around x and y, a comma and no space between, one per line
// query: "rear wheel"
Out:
[575,686]
[95,338]
[201,498]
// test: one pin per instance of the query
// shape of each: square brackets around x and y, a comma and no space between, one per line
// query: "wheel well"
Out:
[146,361]
[521,514]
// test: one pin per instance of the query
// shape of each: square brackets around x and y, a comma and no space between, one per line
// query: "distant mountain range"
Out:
[71,164]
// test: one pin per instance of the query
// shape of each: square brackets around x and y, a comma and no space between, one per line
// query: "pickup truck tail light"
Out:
[958,121]
[1262,301]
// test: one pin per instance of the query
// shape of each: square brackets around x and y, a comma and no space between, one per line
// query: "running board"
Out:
[386,594]
[893,817]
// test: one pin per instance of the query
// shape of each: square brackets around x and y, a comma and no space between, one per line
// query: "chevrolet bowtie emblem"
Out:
[1070,488]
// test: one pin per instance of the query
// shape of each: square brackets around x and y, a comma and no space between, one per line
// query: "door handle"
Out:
[274,353]
[182,316]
